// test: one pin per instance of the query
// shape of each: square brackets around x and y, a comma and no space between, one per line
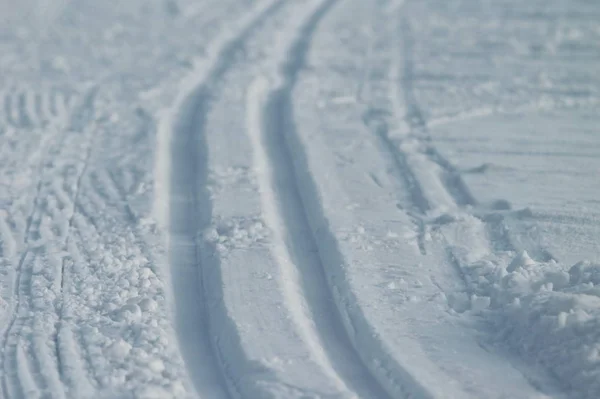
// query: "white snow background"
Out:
[299,199]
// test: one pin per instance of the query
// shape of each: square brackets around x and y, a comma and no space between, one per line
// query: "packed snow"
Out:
[299,199]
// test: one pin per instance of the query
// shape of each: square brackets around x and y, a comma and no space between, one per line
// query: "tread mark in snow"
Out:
[25,108]
[29,376]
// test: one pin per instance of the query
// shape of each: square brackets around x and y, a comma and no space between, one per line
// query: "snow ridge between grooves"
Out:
[182,205]
[389,375]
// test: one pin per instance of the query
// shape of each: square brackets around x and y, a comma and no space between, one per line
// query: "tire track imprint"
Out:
[25,108]
[39,373]
[21,295]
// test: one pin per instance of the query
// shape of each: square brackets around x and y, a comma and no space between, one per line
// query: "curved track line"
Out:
[183,205]
[302,275]
[451,184]
[290,165]
[417,123]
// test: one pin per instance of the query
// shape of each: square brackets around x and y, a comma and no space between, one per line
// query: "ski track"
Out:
[390,377]
[272,131]
[410,164]
[451,186]
[187,149]
[375,118]
[307,292]
[281,207]
[435,184]
[187,195]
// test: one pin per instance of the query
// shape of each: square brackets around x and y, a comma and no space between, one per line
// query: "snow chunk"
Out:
[156,366]
[237,233]
[520,261]
[118,349]
[148,305]
[130,313]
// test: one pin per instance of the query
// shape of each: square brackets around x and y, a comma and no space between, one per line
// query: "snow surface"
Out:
[299,199]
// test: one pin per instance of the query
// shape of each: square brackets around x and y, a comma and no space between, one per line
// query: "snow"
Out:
[299,199]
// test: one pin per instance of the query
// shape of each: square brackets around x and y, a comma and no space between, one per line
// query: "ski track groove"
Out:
[449,176]
[280,109]
[418,201]
[182,136]
[363,89]
[5,110]
[498,234]
[417,204]
[496,226]
[376,120]
[451,179]
[309,296]
[13,110]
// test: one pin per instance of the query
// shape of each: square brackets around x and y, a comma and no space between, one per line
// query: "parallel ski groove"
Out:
[418,124]
[183,171]
[451,181]
[289,163]
[418,201]
[450,177]
[307,293]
